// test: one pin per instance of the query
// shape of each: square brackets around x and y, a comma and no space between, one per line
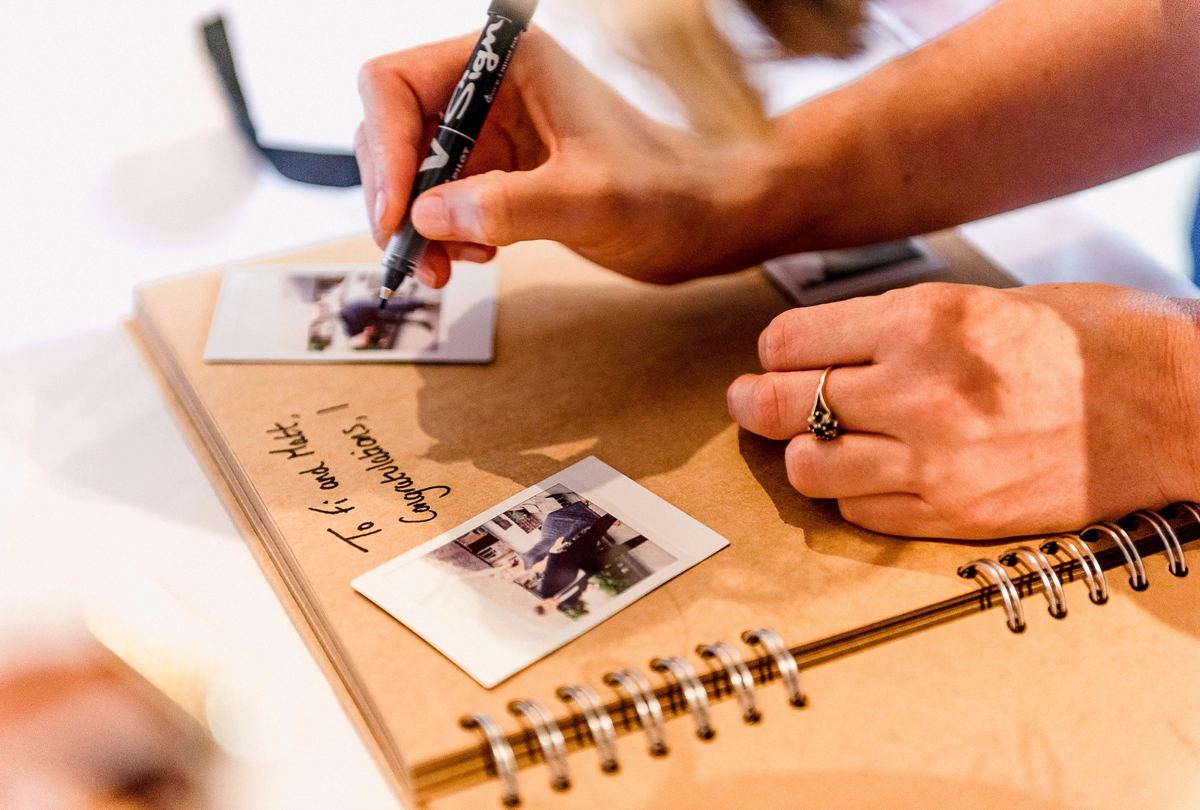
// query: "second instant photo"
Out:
[331,313]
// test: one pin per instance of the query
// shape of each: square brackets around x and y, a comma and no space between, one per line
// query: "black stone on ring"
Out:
[821,422]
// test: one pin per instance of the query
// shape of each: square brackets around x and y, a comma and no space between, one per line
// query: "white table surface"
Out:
[120,166]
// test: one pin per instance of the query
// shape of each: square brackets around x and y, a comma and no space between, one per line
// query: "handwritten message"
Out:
[291,445]
[380,462]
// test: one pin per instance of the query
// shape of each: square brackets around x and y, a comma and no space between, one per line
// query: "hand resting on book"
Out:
[972,412]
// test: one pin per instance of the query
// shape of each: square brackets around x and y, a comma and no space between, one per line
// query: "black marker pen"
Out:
[461,122]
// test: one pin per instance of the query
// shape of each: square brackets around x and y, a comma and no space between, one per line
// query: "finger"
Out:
[852,465]
[401,94]
[836,334]
[777,404]
[469,252]
[434,269]
[897,513]
[371,193]
[500,208]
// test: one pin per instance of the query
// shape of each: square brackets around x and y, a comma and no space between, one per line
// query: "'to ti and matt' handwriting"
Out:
[379,461]
[296,446]
[365,529]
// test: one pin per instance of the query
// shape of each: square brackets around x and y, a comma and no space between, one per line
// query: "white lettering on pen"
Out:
[438,159]
[486,59]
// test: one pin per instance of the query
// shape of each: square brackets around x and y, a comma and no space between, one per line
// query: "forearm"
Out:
[1033,99]
[1029,101]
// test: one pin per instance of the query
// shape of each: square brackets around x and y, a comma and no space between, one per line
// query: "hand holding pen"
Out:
[561,157]
[459,129]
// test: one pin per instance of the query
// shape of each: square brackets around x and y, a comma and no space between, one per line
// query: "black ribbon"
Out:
[317,168]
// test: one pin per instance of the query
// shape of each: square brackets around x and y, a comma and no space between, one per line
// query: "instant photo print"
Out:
[515,583]
[331,313]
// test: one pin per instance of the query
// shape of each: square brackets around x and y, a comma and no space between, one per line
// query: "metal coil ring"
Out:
[1192,507]
[1133,560]
[599,723]
[693,691]
[785,662]
[1038,563]
[1093,574]
[1008,591]
[1176,564]
[502,756]
[648,709]
[739,676]
[550,738]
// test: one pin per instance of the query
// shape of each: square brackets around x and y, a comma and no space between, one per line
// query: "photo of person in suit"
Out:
[572,549]
[342,311]
[561,554]
[366,324]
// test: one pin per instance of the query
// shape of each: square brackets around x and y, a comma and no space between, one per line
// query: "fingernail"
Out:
[450,213]
[380,206]
[474,253]
[734,396]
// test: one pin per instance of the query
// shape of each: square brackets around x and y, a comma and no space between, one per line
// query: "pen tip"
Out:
[384,295]
[382,303]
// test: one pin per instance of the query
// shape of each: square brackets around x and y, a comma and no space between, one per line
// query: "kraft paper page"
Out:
[1090,712]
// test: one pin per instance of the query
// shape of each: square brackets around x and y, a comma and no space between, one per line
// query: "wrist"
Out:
[765,198]
[815,182]
[1183,346]
[746,209]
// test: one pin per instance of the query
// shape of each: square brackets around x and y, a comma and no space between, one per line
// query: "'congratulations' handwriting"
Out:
[380,461]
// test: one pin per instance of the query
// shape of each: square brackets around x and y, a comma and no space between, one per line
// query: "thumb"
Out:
[495,208]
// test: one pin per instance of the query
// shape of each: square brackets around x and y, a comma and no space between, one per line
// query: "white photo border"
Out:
[491,645]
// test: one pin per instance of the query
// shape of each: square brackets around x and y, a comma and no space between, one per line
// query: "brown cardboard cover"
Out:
[1099,710]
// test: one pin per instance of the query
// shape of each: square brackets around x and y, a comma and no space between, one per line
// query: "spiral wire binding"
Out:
[1133,560]
[1008,591]
[649,710]
[737,677]
[599,723]
[550,738]
[785,662]
[1039,564]
[693,691]
[1176,564]
[502,756]
[1192,507]
[1093,574]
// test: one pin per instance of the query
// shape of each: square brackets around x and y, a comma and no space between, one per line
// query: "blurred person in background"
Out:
[87,733]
